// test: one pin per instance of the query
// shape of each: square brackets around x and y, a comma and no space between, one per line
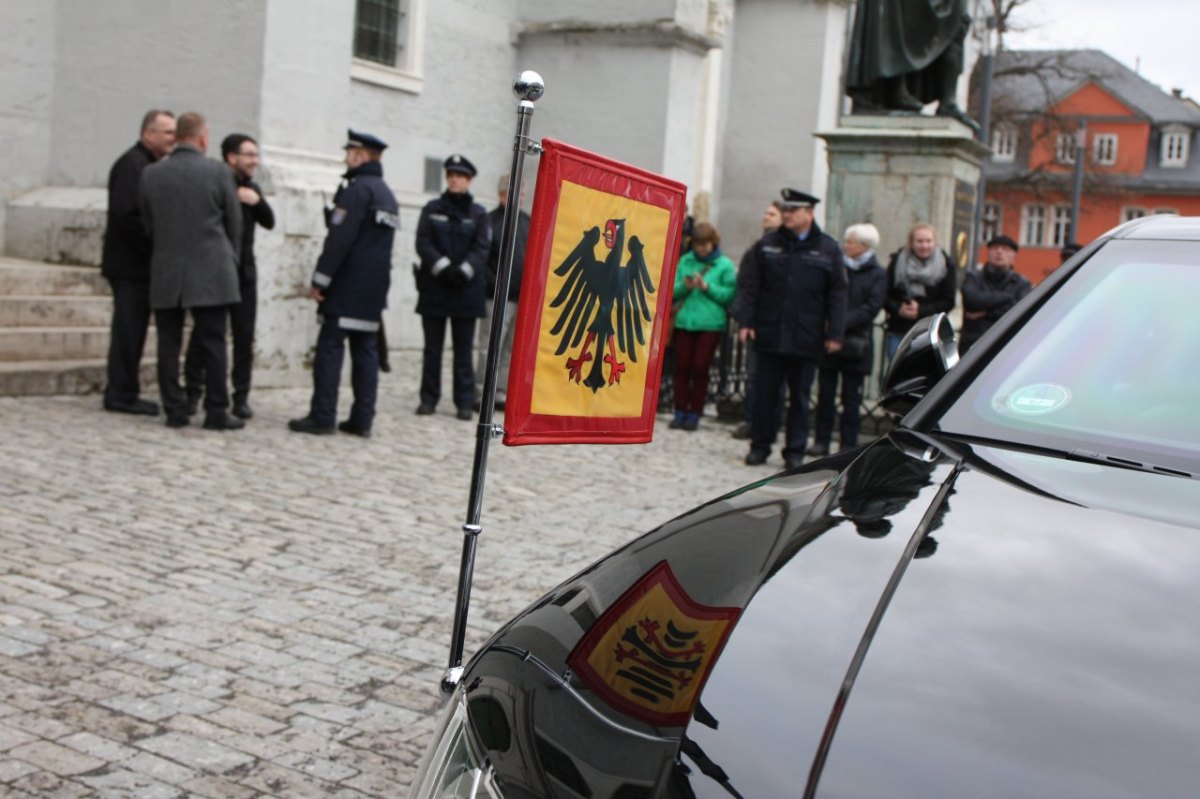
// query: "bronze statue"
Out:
[906,53]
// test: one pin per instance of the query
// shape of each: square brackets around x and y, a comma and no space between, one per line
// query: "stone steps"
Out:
[55,311]
[54,329]
[43,378]
[58,343]
[19,277]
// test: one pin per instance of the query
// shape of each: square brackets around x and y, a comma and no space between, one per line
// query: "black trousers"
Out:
[242,316]
[327,373]
[772,371]
[127,340]
[462,334]
[208,329]
[852,391]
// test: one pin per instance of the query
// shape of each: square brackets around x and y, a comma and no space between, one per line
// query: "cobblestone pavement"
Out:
[261,613]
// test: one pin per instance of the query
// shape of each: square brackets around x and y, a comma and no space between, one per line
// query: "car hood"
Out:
[926,619]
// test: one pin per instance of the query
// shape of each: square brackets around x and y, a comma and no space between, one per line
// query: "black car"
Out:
[1001,598]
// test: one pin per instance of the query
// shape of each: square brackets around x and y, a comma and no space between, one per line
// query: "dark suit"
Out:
[191,211]
[242,315]
[126,264]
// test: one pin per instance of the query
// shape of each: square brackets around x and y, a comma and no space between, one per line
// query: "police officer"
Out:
[453,241]
[794,310]
[351,283]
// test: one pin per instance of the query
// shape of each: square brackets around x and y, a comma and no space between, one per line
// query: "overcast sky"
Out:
[1159,38]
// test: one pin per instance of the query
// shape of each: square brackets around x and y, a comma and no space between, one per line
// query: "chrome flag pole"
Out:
[528,88]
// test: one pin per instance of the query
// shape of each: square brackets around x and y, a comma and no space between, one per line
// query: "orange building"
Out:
[1139,154]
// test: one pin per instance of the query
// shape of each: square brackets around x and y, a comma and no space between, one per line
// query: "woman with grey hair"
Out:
[866,285]
[921,282]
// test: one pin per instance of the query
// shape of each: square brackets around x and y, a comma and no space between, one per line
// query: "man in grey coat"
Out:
[191,210]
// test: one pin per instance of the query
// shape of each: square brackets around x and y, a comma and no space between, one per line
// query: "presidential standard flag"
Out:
[599,272]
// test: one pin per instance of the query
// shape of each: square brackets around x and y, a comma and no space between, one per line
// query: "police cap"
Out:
[1003,241]
[357,138]
[459,163]
[793,198]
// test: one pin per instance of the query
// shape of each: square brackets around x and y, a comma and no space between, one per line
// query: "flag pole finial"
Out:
[529,86]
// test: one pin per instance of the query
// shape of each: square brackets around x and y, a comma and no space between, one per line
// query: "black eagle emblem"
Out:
[606,301]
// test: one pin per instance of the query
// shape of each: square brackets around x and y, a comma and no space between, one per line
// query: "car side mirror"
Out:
[925,355]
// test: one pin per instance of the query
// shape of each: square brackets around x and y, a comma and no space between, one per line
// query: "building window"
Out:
[1064,149]
[1033,225]
[990,227]
[378,31]
[1104,149]
[1004,144]
[1175,148]
[1131,213]
[387,43]
[433,176]
[1167,211]
[1061,230]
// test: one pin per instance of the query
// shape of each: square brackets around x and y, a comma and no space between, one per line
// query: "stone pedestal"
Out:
[895,171]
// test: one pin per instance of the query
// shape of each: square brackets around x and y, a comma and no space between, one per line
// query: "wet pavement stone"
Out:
[261,613]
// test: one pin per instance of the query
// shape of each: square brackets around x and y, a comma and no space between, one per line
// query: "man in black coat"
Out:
[793,308]
[191,210]
[454,238]
[989,292]
[351,284]
[126,264]
[521,236]
[240,153]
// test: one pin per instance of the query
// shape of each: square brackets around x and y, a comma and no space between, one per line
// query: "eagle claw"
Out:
[575,366]
[615,369]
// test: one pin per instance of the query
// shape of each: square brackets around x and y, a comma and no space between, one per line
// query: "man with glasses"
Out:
[241,155]
[126,264]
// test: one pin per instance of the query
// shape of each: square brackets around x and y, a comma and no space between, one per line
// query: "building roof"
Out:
[1032,80]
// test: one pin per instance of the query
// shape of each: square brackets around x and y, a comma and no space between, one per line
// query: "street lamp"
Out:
[985,124]
[1077,186]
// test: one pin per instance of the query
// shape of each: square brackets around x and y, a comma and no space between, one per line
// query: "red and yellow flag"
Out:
[599,269]
[650,653]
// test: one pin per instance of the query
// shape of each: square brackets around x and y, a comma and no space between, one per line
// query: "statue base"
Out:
[895,170]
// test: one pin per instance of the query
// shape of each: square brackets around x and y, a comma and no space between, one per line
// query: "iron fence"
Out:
[729,375]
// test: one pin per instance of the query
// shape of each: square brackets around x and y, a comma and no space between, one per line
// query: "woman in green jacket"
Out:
[705,281]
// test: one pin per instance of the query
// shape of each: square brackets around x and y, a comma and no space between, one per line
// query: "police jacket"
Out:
[252,215]
[865,290]
[456,228]
[496,218]
[993,291]
[794,293]
[354,270]
[126,254]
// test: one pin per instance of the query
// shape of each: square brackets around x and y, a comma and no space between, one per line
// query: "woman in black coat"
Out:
[921,282]
[866,287]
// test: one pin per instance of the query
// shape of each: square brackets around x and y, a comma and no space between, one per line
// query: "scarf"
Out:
[708,259]
[855,264]
[914,276]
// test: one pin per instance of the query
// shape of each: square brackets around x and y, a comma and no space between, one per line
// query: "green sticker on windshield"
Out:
[1038,399]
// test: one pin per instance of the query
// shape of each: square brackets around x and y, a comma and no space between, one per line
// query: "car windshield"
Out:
[1110,363]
